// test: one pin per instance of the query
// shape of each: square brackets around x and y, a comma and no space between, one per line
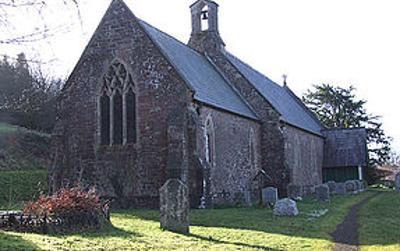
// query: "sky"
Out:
[338,42]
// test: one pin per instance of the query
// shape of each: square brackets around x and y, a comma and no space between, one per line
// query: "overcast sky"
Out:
[340,42]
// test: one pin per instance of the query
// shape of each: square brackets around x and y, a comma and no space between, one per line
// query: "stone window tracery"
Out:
[117,107]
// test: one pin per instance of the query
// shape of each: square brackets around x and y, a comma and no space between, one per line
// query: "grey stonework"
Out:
[269,196]
[340,189]
[174,206]
[351,186]
[397,181]
[322,193]
[304,160]
[332,186]
[243,155]
[286,207]
[294,191]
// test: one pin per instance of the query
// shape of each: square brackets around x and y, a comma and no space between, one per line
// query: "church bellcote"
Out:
[205,35]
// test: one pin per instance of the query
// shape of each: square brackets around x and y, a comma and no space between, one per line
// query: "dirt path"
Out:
[346,234]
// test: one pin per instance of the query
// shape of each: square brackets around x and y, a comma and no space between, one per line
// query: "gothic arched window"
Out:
[117,107]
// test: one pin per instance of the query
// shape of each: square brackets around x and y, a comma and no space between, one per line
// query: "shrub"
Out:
[67,201]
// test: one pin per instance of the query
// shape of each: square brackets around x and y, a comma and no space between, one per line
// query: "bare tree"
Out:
[13,12]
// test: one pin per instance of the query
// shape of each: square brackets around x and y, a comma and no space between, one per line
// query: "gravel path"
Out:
[346,234]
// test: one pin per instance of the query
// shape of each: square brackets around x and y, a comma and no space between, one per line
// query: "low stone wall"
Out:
[71,223]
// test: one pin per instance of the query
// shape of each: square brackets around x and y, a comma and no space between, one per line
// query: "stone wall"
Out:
[235,154]
[304,155]
[133,173]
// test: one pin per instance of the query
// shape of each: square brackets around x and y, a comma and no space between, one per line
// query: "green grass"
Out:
[7,128]
[19,186]
[23,149]
[380,223]
[219,229]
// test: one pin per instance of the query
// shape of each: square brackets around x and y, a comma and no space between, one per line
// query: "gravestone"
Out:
[247,199]
[322,193]
[269,196]
[174,206]
[332,187]
[397,181]
[294,191]
[351,186]
[308,190]
[286,207]
[340,189]
[360,185]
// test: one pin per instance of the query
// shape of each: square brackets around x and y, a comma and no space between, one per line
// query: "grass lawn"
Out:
[219,229]
[19,186]
[380,223]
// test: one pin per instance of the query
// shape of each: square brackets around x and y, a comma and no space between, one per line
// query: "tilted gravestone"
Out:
[340,189]
[174,206]
[351,186]
[332,187]
[269,196]
[294,191]
[397,181]
[322,193]
[286,207]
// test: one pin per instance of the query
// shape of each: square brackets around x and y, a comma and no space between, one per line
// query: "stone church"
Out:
[141,107]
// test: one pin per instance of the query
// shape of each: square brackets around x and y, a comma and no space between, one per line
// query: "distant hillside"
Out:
[23,149]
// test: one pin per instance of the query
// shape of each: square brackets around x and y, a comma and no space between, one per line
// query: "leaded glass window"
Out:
[118,107]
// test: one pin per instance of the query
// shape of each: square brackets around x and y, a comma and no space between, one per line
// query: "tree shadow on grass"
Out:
[244,245]
[106,232]
[9,242]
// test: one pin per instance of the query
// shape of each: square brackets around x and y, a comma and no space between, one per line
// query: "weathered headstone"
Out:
[351,186]
[340,189]
[174,206]
[294,191]
[397,181]
[360,185]
[269,196]
[332,187]
[322,193]
[308,190]
[247,198]
[286,207]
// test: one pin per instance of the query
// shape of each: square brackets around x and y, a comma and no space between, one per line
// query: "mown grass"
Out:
[16,187]
[380,223]
[219,229]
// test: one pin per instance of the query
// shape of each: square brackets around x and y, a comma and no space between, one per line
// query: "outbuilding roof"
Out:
[345,148]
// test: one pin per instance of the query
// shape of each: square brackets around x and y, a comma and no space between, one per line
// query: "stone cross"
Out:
[174,206]
[322,193]
[269,196]
[397,181]
[351,186]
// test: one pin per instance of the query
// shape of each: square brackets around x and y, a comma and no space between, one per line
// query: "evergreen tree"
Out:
[339,107]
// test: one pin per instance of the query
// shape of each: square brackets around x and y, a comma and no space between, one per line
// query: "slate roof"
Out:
[291,108]
[345,148]
[209,86]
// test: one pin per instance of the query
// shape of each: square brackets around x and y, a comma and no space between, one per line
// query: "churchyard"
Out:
[233,228]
